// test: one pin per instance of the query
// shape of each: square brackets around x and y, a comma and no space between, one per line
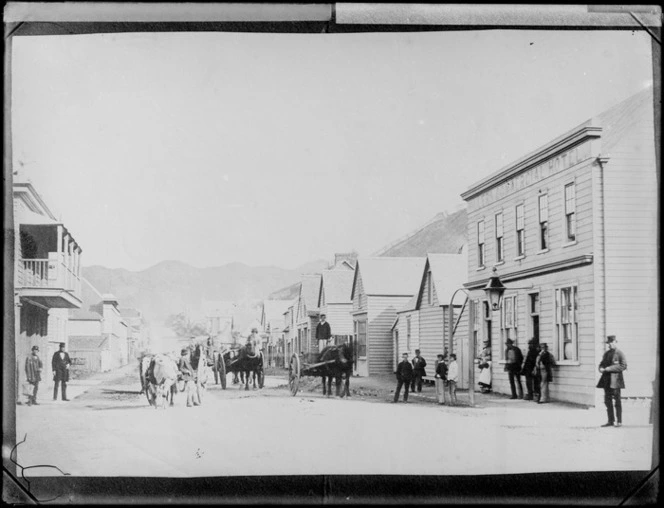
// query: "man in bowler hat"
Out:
[611,367]
[33,369]
[60,365]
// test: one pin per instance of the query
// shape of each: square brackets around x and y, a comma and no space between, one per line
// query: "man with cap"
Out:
[440,378]
[33,368]
[418,371]
[544,364]
[513,361]
[404,377]
[60,365]
[323,332]
[530,371]
[611,367]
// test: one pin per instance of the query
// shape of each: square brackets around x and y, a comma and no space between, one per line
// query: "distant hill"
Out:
[172,286]
[444,234]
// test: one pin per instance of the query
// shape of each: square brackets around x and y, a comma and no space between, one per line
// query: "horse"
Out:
[341,369]
[249,361]
[162,375]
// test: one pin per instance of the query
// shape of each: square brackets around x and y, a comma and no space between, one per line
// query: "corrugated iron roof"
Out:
[623,117]
[410,305]
[449,272]
[387,276]
[84,315]
[337,285]
[310,290]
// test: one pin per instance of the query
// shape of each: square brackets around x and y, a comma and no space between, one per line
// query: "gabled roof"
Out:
[410,305]
[337,285]
[448,273]
[388,276]
[310,290]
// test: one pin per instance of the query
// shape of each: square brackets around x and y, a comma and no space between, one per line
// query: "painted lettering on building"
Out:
[533,175]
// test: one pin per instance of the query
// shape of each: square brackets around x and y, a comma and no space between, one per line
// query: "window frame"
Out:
[572,321]
[543,222]
[520,233]
[481,245]
[513,321]
[569,217]
[500,238]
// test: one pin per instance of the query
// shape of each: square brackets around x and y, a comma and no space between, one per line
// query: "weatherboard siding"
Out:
[380,346]
[630,188]
[404,346]
[360,297]
[340,318]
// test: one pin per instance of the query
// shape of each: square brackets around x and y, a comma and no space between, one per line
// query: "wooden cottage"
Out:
[335,303]
[307,313]
[442,276]
[381,286]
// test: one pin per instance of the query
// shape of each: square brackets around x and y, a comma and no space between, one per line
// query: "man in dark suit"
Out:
[60,365]
[513,361]
[418,371]
[611,367]
[323,333]
[404,377]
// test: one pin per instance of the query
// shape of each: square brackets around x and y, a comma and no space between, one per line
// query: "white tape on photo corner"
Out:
[491,15]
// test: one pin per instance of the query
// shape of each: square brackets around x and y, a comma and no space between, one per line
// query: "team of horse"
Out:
[161,378]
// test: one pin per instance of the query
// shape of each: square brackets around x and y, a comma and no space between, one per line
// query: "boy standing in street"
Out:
[404,378]
[418,371]
[452,378]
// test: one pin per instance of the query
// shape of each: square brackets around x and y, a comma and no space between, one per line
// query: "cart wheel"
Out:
[294,374]
[222,373]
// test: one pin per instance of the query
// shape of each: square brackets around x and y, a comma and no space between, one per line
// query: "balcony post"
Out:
[59,240]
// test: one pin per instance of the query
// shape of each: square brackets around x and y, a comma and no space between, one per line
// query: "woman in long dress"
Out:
[485,369]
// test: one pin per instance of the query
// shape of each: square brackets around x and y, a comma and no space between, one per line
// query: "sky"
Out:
[280,149]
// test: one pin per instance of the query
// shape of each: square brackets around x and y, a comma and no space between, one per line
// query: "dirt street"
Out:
[110,430]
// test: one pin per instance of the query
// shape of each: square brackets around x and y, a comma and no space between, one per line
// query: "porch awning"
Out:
[31,218]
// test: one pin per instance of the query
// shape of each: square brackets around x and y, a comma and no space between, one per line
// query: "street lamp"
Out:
[494,290]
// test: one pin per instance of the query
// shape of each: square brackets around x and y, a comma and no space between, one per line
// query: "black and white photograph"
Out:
[429,249]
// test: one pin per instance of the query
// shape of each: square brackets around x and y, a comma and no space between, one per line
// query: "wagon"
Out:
[225,362]
[297,369]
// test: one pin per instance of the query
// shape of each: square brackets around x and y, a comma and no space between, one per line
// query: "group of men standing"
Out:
[59,364]
[410,374]
[537,369]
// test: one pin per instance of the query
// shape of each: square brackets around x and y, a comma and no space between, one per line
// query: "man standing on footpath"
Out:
[530,372]
[418,371]
[514,359]
[60,365]
[441,377]
[611,367]
[33,368]
[404,378]
[452,378]
[323,333]
[544,364]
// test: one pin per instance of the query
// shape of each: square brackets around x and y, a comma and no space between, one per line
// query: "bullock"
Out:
[162,376]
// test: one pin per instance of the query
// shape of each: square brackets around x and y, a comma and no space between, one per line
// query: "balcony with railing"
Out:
[49,271]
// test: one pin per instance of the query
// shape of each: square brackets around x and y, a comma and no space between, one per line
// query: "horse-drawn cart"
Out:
[331,364]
